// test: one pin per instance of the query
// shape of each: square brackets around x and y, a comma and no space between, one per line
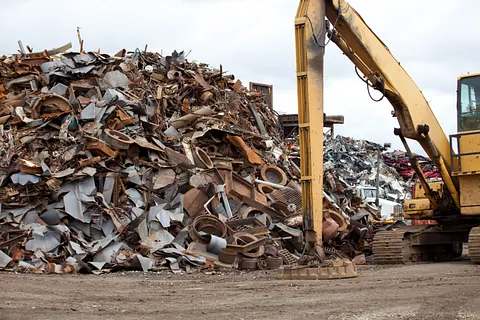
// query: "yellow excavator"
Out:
[453,203]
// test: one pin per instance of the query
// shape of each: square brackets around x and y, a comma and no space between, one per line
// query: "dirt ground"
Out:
[423,291]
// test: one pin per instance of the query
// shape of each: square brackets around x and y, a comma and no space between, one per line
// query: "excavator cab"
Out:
[468,102]
[465,144]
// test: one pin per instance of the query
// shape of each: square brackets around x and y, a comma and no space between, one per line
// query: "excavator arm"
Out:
[381,71]
[309,57]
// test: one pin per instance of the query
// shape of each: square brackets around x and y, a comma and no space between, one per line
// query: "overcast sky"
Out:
[254,39]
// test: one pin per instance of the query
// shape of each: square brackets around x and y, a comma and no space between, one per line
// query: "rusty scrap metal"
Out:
[228,256]
[249,225]
[248,263]
[273,174]
[201,159]
[118,140]
[252,157]
[135,160]
[207,224]
[271,263]
[247,244]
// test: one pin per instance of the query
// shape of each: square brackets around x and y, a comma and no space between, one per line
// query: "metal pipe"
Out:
[271,184]
[377,200]
[335,205]
[281,238]
[221,189]
[22,49]
[294,165]
[418,170]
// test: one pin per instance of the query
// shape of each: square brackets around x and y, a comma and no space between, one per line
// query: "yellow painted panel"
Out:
[420,192]
[469,191]
[470,143]
[425,214]
[416,205]
[309,65]
[470,211]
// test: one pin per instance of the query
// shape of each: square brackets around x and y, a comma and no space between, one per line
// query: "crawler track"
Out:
[388,247]
[474,245]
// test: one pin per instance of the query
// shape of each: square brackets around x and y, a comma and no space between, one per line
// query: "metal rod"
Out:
[377,200]
[418,170]
[281,238]
[336,206]
[22,49]
[294,165]
[439,163]
[221,189]
[271,184]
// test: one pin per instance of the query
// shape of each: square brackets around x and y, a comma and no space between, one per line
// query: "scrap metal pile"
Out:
[400,161]
[349,163]
[350,172]
[139,161]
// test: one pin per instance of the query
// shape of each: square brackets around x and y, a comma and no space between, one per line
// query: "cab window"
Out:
[469,104]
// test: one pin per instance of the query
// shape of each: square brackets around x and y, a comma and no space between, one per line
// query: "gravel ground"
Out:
[422,291]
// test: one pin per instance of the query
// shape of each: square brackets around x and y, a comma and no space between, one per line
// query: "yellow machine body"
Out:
[448,201]
[309,58]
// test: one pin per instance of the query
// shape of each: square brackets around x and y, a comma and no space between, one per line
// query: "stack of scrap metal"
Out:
[352,212]
[350,163]
[401,162]
[139,161]
[143,161]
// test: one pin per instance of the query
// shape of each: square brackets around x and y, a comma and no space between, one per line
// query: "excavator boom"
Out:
[369,54]
[381,72]
[457,214]
[310,112]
